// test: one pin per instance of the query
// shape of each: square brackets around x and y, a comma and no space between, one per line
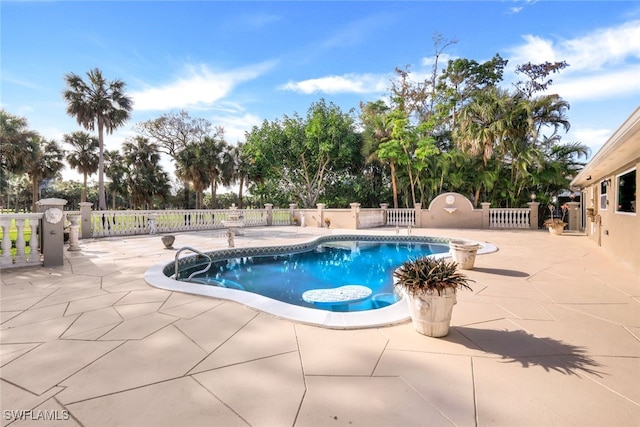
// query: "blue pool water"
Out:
[285,277]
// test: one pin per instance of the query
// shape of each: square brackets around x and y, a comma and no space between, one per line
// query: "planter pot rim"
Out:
[463,244]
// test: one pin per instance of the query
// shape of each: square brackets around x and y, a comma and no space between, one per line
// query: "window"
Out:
[603,194]
[626,183]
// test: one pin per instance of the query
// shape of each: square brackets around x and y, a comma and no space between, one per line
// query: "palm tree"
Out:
[47,164]
[116,171]
[189,169]
[18,147]
[377,131]
[211,157]
[83,157]
[97,103]
[484,123]
[146,177]
[236,169]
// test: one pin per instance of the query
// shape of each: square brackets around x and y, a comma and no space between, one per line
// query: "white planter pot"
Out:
[464,253]
[556,230]
[431,313]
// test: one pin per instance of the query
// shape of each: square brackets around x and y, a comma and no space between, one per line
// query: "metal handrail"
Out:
[188,248]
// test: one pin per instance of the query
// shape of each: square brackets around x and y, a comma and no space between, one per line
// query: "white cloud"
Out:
[613,84]
[601,48]
[236,126]
[602,64]
[443,60]
[200,88]
[348,83]
[592,138]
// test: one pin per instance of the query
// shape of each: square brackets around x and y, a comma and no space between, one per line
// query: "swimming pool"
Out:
[336,264]
[272,279]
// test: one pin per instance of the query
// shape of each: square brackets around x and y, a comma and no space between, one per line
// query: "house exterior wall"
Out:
[618,232]
[607,222]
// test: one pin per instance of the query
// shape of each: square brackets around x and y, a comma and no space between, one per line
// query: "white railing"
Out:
[509,218]
[119,223]
[370,218]
[254,217]
[401,217]
[122,223]
[26,229]
[281,217]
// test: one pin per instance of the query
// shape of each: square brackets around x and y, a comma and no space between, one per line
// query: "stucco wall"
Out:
[617,232]
[452,210]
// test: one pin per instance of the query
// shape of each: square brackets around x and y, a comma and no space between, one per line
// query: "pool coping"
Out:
[385,316]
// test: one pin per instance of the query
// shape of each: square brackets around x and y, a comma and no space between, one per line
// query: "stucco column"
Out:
[321,207]
[533,215]
[85,225]
[486,215]
[384,207]
[355,215]
[52,231]
[269,208]
[418,209]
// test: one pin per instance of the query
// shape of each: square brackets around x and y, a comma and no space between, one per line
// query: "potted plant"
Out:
[464,253]
[556,225]
[430,286]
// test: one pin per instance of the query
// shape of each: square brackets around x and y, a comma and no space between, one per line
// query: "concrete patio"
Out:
[550,336]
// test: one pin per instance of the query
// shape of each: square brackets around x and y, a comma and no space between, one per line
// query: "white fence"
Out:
[401,217]
[25,252]
[509,218]
[122,223]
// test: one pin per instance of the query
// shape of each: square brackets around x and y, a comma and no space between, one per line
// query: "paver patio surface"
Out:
[549,336]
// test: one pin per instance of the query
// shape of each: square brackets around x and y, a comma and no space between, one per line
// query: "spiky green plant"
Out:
[423,275]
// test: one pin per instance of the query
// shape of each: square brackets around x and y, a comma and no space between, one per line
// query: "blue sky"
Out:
[239,63]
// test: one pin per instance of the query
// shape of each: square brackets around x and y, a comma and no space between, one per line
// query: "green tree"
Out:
[83,156]
[146,178]
[237,168]
[116,170]
[97,103]
[47,164]
[189,168]
[212,158]
[297,157]
[173,132]
[376,131]
[18,148]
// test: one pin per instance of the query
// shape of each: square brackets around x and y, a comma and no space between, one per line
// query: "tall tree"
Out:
[173,132]
[83,156]
[300,156]
[536,75]
[462,79]
[146,178]
[46,165]
[212,157]
[377,128]
[18,147]
[236,169]
[116,170]
[189,169]
[97,103]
